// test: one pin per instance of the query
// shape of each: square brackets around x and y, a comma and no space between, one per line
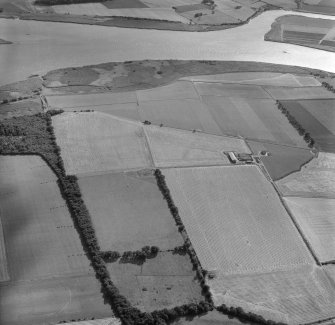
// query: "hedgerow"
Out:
[307,137]
[328,86]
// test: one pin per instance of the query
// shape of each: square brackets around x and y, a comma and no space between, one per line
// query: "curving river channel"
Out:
[42,46]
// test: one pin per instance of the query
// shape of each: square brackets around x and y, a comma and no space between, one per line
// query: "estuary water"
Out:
[42,46]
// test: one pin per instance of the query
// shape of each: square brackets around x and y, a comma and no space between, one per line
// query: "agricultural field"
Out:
[317,118]
[128,211]
[296,296]
[165,281]
[49,276]
[104,321]
[254,119]
[95,142]
[306,31]
[186,114]
[315,179]
[282,93]
[174,148]
[280,161]
[258,78]
[316,219]
[235,220]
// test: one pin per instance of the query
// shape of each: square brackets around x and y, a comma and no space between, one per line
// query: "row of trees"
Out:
[239,313]
[307,137]
[63,2]
[160,178]
[328,86]
[136,257]
[39,139]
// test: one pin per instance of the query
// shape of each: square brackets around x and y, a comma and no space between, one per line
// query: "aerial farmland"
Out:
[167,162]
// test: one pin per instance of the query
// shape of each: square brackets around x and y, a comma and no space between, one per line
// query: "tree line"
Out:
[239,313]
[307,137]
[328,86]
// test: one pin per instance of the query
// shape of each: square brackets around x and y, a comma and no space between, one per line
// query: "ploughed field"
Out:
[45,274]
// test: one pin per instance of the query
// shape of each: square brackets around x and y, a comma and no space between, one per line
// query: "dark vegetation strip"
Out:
[307,137]
[230,311]
[64,2]
[34,135]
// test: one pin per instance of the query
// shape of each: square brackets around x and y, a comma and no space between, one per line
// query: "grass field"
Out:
[254,119]
[163,282]
[316,218]
[97,142]
[258,78]
[176,148]
[50,276]
[235,220]
[4,276]
[317,118]
[298,296]
[316,179]
[26,107]
[104,321]
[128,211]
[282,160]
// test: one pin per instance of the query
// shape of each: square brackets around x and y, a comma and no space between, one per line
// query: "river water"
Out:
[42,46]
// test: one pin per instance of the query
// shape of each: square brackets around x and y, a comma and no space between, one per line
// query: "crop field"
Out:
[316,179]
[297,296]
[98,9]
[172,147]
[50,276]
[186,114]
[52,300]
[176,90]
[231,90]
[254,119]
[235,220]
[317,118]
[116,4]
[258,78]
[98,142]
[282,160]
[323,110]
[315,217]
[90,101]
[128,211]
[299,93]
[167,3]
[165,281]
